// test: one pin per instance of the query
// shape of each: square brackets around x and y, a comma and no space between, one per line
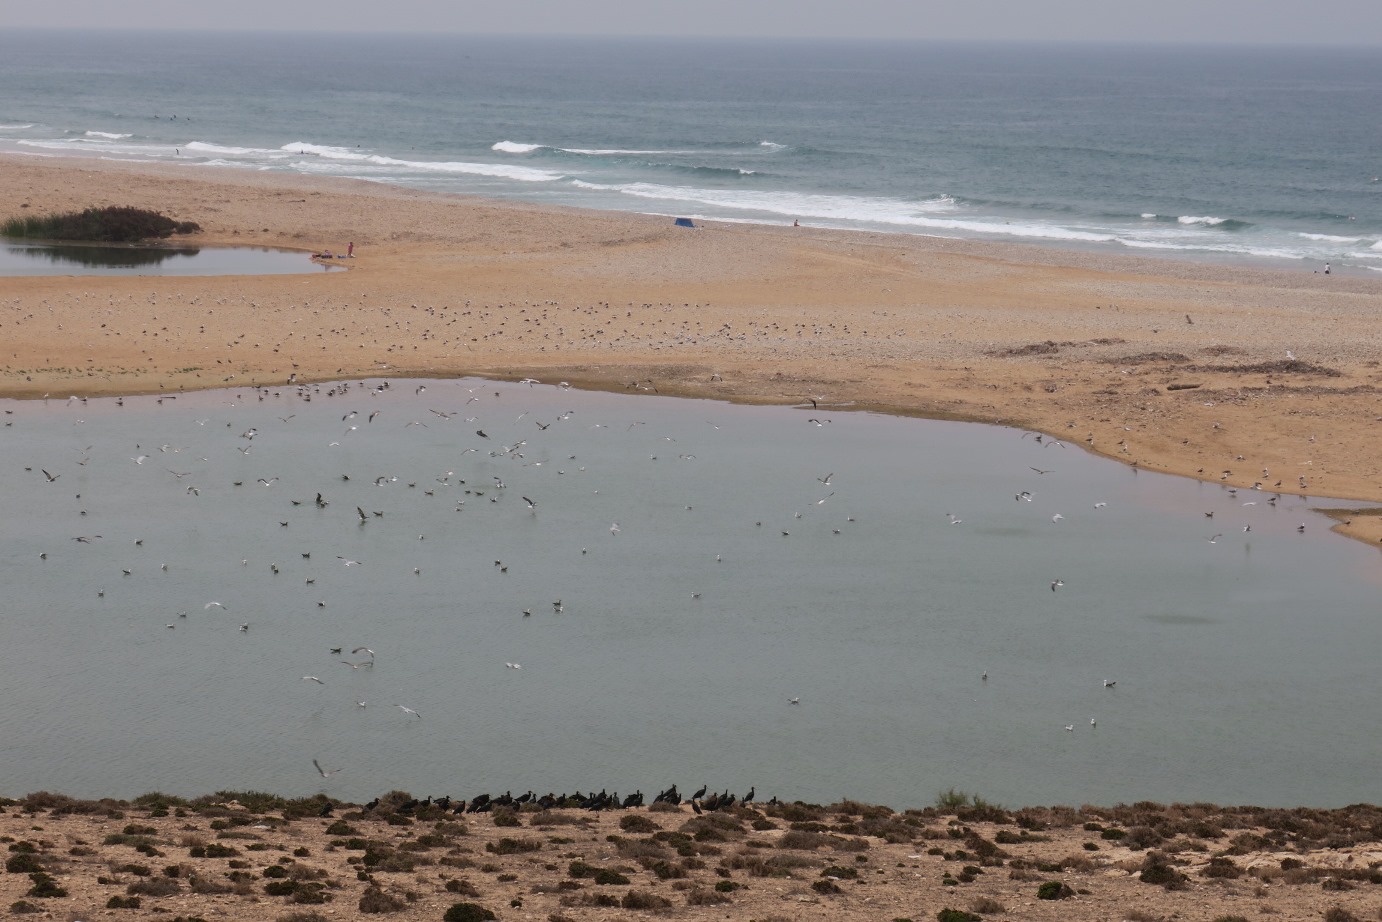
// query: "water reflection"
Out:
[25,258]
[101,257]
[758,557]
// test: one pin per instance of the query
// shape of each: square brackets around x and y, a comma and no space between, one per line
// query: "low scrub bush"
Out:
[642,899]
[468,912]
[114,224]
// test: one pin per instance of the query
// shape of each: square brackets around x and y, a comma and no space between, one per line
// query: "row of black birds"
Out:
[486,803]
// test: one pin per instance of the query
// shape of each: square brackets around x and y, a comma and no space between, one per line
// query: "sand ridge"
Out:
[1254,378]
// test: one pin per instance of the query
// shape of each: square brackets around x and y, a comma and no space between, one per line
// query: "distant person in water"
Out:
[350,249]
[1326,268]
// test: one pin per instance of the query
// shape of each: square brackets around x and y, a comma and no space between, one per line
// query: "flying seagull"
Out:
[322,771]
[409,711]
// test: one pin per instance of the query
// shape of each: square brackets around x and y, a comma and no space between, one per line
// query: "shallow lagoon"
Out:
[79,259]
[1245,667]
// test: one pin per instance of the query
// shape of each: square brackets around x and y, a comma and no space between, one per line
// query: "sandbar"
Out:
[1256,378]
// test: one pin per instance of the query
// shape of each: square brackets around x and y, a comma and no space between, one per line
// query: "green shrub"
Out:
[642,899]
[1222,867]
[956,915]
[1339,914]
[44,886]
[468,912]
[22,863]
[507,818]
[1156,869]
[375,900]
[155,886]
[637,823]
[112,224]
[702,897]
[825,887]
[24,907]
[507,846]
[1054,890]
[610,878]
[123,902]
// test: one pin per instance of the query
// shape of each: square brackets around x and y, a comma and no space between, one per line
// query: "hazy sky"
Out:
[1258,21]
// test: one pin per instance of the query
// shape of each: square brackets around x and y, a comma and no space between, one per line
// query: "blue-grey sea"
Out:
[576,590]
[1264,154]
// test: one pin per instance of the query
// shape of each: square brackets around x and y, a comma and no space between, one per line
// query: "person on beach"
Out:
[350,249]
[1326,268]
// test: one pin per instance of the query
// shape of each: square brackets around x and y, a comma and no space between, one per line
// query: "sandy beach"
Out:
[1249,377]
[247,856]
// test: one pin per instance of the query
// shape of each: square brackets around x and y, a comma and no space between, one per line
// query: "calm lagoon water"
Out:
[74,259]
[1245,667]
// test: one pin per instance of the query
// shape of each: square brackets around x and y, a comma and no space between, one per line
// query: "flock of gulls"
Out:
[492,444]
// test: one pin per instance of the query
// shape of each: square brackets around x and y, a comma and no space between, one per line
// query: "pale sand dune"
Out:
[1084,347]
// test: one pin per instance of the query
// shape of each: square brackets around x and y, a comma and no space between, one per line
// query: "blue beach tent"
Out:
[685,222]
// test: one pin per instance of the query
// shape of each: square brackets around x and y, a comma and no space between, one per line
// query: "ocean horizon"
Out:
[1263,155]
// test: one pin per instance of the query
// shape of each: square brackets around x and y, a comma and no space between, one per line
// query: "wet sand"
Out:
[1248,377]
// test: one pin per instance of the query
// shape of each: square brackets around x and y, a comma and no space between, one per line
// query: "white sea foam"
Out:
[15,127]
[202,147]
[393,164]
[1376,246]
[1330,238]
[323,150]
[1228,247]
[939,213]
[108,136]
[618,152]
[772,145]
[513,147]
[1192,219]
[1149,215]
